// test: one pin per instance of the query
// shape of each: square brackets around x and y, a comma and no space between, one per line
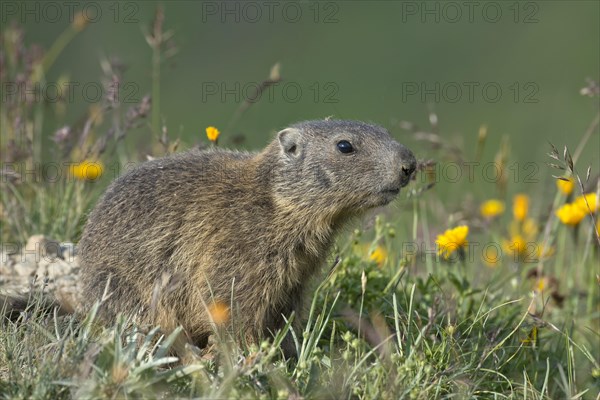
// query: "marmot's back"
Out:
[132,231]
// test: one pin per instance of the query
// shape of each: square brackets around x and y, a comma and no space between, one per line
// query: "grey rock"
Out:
[25,268]
[55,269]
[39,247]
[7,264]
[41,264]
[68,251]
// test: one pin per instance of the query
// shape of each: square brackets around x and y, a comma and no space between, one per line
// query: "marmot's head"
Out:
[344,167]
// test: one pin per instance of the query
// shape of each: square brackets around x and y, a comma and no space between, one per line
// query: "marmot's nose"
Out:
[407,167]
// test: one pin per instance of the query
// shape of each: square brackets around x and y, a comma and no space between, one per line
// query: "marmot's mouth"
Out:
[386,196]
[391,191]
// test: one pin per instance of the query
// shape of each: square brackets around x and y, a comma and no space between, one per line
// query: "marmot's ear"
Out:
[289,140]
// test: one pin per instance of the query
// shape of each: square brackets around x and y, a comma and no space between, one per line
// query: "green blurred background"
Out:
[355,60]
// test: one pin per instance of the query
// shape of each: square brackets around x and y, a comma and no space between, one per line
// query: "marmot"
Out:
[246,230]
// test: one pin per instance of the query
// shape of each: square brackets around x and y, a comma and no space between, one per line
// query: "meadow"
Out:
[494,293]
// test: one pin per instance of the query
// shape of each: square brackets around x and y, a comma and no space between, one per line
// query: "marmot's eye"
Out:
[345,147]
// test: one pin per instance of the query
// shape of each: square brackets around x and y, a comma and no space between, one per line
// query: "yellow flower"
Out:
[379,255]
[530,229]
[492,258]
[452,240]
[80,21]
[546,283]
[88,170]
[573,213]
[570,214]
[491,208]
[522,235]
[516,245]
[541,284]
[520,206]
[544,252]
[592,201]
[566,187]
[212,133]
[219,312]
[492,262]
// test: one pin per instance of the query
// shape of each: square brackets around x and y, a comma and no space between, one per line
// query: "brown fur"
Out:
[177,234]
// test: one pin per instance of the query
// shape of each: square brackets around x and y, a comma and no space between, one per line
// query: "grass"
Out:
[392,319]
[424,337]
